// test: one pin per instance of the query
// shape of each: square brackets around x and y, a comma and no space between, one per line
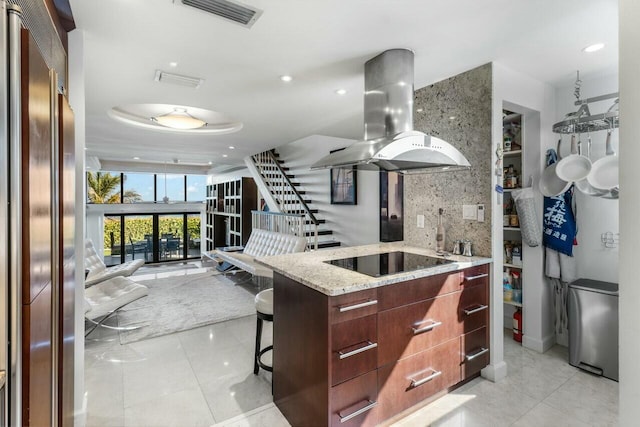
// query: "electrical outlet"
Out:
[470,212]
[480,213]
[420,221]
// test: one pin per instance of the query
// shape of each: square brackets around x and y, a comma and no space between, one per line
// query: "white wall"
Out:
[629,208]
[595,215]
[535,100]
[351,224]
[77,103]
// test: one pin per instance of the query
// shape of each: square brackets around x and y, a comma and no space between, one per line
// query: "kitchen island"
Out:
[355,349]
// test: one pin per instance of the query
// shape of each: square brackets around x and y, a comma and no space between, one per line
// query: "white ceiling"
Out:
[323,44]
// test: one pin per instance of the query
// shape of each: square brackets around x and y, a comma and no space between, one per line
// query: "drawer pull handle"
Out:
[417,331]
[360,411]
[469,357]
[418,383]
[479,276]
[344,308]
[369,346]
[470,311]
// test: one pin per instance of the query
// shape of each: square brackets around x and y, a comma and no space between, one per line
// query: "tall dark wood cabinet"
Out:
[37,369]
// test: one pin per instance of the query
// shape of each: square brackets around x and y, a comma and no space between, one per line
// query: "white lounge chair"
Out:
[104,299]
[99,272]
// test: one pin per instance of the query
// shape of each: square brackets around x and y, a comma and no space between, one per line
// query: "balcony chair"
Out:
[99,272]
[104,299]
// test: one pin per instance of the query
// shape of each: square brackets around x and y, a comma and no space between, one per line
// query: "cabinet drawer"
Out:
[411,380]
[353,305]
[404,293]
[473,309]
[478,275]
[354,403]
[413,328]
[353,348]
[474,352]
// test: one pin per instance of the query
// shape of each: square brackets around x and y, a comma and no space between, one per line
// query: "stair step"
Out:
[277,175]
[271,165]
[320,233]
[323,245]
[303,212]
[291,202]
[320,221]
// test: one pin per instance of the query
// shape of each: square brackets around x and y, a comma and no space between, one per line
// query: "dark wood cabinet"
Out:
[228,212]
[363,357]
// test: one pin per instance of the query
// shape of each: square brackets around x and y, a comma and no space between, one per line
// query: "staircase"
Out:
[281,191]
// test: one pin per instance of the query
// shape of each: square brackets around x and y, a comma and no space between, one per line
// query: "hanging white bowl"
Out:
[550,184]
[574,167]
[605,173]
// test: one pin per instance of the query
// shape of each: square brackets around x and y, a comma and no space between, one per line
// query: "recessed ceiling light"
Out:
[231,147]
[136,158]
[224,155]
[173,64]
[341,91]
[593,48]
[210,162]
[419,110]
[452,117]
[286,78]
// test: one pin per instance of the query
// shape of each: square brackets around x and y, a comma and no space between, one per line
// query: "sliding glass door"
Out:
[152,237]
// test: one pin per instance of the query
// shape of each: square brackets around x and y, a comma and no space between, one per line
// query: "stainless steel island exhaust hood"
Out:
[390,143]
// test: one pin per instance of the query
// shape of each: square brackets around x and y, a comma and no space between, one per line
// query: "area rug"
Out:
[184,302]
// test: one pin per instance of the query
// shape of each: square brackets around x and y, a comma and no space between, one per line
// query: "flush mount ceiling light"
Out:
[593,48]
[174,118]
[179,119]
[286,78]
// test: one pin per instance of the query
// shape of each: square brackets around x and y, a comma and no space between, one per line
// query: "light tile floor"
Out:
[204,377]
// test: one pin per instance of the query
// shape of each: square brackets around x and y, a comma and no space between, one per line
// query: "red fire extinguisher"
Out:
[517,325]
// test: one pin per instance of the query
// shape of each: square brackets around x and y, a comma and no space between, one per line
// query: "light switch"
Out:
[420,221]
[470,212]
[480,213]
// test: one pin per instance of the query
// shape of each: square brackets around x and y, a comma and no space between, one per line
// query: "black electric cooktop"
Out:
[388,263]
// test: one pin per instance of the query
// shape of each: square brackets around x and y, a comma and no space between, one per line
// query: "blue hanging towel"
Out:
[559,222]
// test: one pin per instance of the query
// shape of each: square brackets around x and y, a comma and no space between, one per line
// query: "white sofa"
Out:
[263,243]
[99,272]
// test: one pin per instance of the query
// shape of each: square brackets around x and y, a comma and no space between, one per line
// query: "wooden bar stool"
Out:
[264,312]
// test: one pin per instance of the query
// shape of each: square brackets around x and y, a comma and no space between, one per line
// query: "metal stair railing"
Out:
[279,222]
[283,191]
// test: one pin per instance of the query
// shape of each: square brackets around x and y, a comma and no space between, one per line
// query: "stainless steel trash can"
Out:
[593,327]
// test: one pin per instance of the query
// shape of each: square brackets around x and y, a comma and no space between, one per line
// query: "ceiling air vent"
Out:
[178,79]
[231,10]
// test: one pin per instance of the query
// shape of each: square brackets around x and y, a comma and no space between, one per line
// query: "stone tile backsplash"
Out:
[457,110]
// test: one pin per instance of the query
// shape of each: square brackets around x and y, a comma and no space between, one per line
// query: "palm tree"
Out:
[103,187]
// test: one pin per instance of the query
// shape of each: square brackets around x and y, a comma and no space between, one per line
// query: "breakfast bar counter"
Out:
[310,268]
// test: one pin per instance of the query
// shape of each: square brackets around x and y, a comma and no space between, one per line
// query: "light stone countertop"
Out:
[310,269]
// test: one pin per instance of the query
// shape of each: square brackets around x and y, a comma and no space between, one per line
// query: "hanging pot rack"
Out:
[582,121]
